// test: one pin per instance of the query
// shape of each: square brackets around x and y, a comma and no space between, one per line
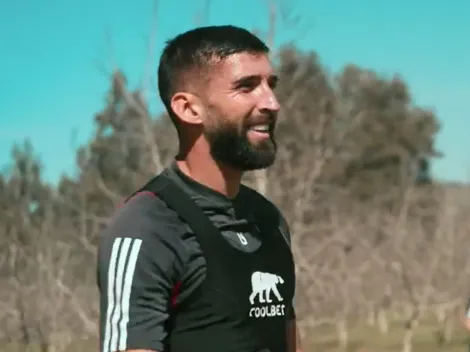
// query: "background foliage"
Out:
[381,248]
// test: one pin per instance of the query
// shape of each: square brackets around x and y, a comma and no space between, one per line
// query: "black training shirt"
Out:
[149,260]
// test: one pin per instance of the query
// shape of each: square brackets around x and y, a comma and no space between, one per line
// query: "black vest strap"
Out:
[206,232]
[178,200]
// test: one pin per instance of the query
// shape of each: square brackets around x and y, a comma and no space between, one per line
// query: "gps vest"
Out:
[241,305]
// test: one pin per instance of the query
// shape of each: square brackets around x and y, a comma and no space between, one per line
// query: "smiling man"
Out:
[195,261]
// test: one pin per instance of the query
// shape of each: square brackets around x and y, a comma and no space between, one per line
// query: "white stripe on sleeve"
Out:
[121,271]
[126,293]
[110,299]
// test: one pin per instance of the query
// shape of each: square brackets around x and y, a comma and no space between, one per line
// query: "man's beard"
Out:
[231,147]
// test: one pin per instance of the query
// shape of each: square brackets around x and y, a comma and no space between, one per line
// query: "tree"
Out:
[373,233]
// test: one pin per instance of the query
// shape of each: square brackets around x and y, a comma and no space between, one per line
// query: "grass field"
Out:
[368,339]
[362,338]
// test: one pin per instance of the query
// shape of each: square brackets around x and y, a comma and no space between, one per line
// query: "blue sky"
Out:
[51,86]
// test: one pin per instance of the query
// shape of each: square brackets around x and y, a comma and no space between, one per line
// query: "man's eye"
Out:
[272,84]
[247,87]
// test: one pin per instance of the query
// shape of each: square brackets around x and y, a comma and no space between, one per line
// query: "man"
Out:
[195,261]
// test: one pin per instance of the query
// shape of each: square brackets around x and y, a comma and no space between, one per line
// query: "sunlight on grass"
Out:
[365,338]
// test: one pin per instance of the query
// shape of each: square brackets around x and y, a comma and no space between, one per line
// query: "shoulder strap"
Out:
[206,232]
[178,200]
[270,218]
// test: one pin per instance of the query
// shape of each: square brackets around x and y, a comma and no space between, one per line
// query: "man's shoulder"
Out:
[145,215]
[143,201]
[252,195]
[263,205]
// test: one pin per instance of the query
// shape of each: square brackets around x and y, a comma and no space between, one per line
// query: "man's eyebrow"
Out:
[273,79]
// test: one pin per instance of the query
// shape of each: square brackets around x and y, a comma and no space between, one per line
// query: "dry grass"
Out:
[364,338]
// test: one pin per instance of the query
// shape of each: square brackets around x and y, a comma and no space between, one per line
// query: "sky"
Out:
[51,83]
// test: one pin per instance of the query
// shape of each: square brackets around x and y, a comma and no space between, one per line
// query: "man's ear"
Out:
[188,107]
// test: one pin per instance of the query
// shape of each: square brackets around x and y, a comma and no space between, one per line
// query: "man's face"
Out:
[241,112]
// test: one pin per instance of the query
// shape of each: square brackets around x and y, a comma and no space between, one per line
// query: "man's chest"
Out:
[259,275]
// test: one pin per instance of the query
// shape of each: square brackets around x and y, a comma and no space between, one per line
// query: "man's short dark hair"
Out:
[197,49]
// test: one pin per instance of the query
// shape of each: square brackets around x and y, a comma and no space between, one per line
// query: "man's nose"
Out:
[268,101]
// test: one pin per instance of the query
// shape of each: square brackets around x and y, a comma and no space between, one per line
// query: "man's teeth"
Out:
[260,128]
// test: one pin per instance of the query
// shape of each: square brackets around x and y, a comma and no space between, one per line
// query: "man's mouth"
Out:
[260,132]
[262,128]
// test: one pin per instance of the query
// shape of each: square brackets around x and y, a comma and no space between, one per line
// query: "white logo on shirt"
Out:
[242,238]
[262,285]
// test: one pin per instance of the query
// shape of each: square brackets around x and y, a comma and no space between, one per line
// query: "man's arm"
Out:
[466,317]
[466,322]
[140,262]
[293,336]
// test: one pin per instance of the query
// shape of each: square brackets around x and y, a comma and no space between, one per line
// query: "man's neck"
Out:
[205,170]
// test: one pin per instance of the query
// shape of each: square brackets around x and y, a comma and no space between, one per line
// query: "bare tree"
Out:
[375,238]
